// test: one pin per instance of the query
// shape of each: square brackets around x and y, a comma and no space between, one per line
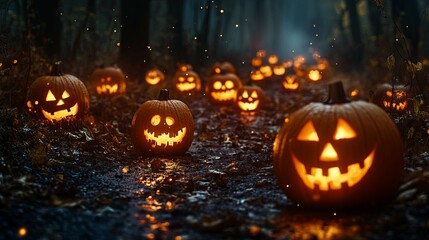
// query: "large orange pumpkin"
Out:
[58,96]
[338,153]
[108,81]
[392,99]
[222,88]
[162,127]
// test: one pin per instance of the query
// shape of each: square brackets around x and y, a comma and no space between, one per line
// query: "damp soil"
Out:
[83,179]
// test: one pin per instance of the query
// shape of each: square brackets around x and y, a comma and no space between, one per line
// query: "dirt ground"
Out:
[84,180]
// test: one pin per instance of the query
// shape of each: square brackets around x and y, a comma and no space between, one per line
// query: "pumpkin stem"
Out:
[336,93]
[164,95]
[56,69]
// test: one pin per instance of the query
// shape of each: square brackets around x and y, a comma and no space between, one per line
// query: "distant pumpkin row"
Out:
[338,153]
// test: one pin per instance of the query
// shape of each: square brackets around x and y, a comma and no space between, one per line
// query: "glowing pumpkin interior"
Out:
[248,100]
[331,178]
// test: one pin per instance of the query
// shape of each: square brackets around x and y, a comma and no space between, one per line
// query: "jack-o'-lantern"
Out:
[338,153]
[279,70]
[298,66]
[392,99]
[154,76]
[261,53]
[322,64]
[162,127]
[256,75]
[250,98]
[291,83]
[108,81]
[222,88]
[266,71]
[58,96]
[186,80]
[217,68]
[273,59]
[314,74]
[256,62]
[287,63]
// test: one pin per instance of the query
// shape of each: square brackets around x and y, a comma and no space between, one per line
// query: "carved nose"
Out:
[329,154]
[60,102]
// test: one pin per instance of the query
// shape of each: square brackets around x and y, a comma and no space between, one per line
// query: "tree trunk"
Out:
[47,19]
[357,48]
[134,53]
[175,14]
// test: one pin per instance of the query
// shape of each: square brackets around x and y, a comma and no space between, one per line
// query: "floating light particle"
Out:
[311,43]
[195,38]
[317,34]
[114,30]
[125,170]
[314,25]
[15,61]
[118,44]
[222,11]
[221,35]
[87,29]
[335,214]
[1,64]
[22,232]
[61,13]
[236,25]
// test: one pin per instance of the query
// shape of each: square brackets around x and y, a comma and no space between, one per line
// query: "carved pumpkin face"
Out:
[154,76]
[314,75]
[273,59]
[279,70]
[256,62]
[162,126]
[57,96]
[395,101]
[186,80]
[108,81]
[291,83]
[266,71]
[338,153]
[250,98]
[222,88]
[256,75]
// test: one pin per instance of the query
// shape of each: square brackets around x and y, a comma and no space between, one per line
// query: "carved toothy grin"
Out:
[334,179]
[226,95]
[107,88]
[248,106]
[153,80]
[186,86]
[60,114]
[164,138]
[290,84]
[397,106]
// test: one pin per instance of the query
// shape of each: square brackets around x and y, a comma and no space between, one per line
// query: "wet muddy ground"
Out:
[84,180]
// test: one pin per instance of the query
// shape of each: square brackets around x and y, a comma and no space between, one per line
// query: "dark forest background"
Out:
[139,34]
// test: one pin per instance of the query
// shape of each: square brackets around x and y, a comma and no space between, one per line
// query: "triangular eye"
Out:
[344,130]
[65,94]
[254,95]
[308,133]
[245,94]
[50,96]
